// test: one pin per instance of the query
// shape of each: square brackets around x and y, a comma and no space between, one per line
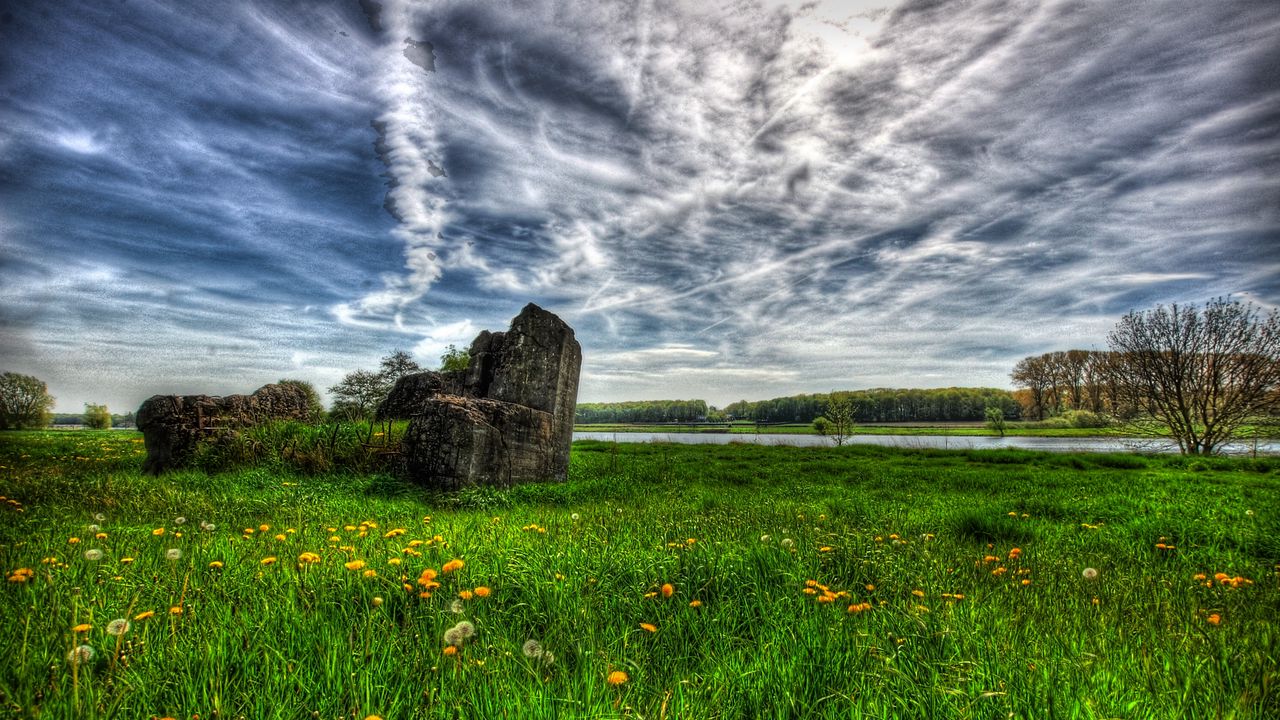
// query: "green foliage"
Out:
[360,392]
[995,419]
[883,405]
[642,411]
[97,417]
[454,360]
[579,565]
[25,402]
[303,448]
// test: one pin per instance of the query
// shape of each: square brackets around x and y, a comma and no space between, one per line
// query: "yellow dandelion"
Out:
[354,565]
[144,615]
[918,593]
[1214,619]
[618,677]
[264,527]
[482,591]
[695,603]
[280,537]
[175,610]
[649,627]
[668,590]
[82,627]
[269,560]
[450,650]
[464,594]
[215,565]
[308,558]
[451,566]
[370,573]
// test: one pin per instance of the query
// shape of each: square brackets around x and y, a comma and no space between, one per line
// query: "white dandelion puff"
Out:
[93,555]
[1090,574]
[118,627]
[99,517]
[765,538]
[456,607]
[453,636]
[94,528]
[173,554]
[466,628]
[179,520]
[532,649]
[575,517]
[80,655]
[787,543]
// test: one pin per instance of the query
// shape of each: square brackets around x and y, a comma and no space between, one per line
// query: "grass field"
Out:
[660,581]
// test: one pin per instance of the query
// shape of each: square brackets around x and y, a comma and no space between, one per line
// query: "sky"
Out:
[737,200]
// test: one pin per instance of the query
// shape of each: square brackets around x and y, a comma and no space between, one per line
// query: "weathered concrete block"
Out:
[172,425]
[507,419]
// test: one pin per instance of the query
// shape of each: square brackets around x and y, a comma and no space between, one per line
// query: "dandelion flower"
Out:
[453,637]
[668,590]
[465,594]
[215,565]
[264,528]
[118,627]
[82,627]
[207,526]
[268,560]
[158,531]
[482,592]
[377,601]
[451,566]
[93,555]
[354,565]
[1214,619]
[80,655]
[1089,574]
[370,573]
[173,554]
[548,658]
[764,538]
[175,610]
[695,603]
[308,558]
[532,649]
[450,649]
[618,677]
[144,615]
[649,627]
[918,593]
[93,528]
[281,537]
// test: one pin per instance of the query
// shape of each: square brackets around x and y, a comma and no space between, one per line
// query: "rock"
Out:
[506,419]
[172,425]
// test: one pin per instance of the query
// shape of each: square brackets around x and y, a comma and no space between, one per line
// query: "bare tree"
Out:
[1197,374]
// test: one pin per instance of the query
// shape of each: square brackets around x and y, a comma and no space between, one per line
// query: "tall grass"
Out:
[967,575]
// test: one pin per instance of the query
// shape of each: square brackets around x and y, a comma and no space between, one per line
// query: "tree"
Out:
[25,402]
[97,417]
[1033,374]
[358,394]
[995,419]
[454,359]
[396,365]
[837,422]
[1197,374]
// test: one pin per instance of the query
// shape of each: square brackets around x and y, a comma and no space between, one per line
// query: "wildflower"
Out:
[918,593]
[118,627]
[280,537]
[990,559]
[618,677]
[464,594]
[207,526]
[870,587]
[859,607]
[264,528]
[1248,513]
[158,531]
[456,607]
[308,558]
[143,615]
[172,554]
[370,573]
[1089,574]
[649,627]
[126,560]
[100,536]
[1000,570]
[787,543]
[1214,619]
[482,592]
[73,541]
[93,555]
[99,517]
[575,517]
[80,655]
[825,548]
[450,650]
[215,565]
[93,528]
[394,533]
[532,649]
[354,565]
[1015,553]
[377,601]
[175,610]
[668,590]
[82,627]
[453,637]
[466,628]
[269,560]
[695,603]
[1026,582]
[451,566]
[179,520]
[764,538]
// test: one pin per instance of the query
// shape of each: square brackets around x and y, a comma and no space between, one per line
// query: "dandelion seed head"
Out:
[453,636]
[787,543]
[118,627]
[466,629]
[532,649]
[455,607]
[99,517]
[93,528]
[173,554]
[1249,513]
[1090,574]
[179,520]
[81,655]
[575,517]
[93,555]
[764,538]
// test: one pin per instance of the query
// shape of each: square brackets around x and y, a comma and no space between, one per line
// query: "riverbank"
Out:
[949,429]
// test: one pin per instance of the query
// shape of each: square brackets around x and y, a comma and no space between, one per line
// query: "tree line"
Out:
[645,411]
[883,405]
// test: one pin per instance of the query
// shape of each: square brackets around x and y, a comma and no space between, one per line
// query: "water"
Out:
[941,442]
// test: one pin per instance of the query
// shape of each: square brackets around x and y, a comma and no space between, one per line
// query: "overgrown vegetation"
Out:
[660,580]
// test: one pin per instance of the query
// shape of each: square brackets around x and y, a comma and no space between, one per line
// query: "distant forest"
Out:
[125,420]
[881,405]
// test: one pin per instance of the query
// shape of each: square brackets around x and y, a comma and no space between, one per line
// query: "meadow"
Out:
[659,581]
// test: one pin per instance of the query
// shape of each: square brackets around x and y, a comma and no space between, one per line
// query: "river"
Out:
[941,442]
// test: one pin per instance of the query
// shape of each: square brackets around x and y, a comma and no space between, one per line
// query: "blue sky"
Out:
[725,200]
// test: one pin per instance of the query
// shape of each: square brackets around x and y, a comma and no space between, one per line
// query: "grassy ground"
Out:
[803,582]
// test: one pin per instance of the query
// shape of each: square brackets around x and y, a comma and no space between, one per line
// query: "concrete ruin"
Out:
[172,425]
[506,419]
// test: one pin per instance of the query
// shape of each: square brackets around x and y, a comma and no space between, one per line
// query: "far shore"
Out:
[956,429]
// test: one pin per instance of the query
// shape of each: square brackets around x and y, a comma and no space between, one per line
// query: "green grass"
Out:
[902,531]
